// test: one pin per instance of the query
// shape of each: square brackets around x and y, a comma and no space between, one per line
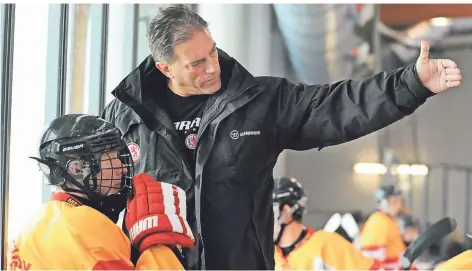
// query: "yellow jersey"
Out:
[381,239]
[323,250]
[66,235]
[462,261]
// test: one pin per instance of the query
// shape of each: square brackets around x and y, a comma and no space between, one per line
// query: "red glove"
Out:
[157,214]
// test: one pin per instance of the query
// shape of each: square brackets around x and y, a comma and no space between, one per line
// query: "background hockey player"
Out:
[300,248]
[381,238]
[410,227]
[89,166]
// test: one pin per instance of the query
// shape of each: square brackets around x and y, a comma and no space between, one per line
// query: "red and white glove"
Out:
[157,214]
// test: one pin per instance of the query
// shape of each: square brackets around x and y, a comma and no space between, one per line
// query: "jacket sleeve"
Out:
[315,116]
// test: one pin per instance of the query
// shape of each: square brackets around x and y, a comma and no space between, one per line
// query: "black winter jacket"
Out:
[245,126]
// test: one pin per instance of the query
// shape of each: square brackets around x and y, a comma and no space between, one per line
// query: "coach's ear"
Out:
[165,69]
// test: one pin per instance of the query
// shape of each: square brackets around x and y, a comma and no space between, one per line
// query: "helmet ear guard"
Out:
[276,208]
[383,193]
[384,204]
[58,175]
[54,172]
[289,191]
[298,208]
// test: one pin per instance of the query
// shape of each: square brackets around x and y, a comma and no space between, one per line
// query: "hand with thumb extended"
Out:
[437,74]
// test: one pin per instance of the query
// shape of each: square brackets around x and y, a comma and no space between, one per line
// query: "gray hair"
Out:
[172,25]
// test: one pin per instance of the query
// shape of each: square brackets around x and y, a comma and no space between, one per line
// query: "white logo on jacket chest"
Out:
[235,134]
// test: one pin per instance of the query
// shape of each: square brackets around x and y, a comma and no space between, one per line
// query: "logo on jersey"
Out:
[135,151]
[15,260]
[187,125]
[191,141]
[189,130]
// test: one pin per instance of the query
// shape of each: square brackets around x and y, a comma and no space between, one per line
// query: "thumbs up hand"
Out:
[437,74]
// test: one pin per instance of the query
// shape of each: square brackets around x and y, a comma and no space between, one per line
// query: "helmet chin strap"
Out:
[281,219]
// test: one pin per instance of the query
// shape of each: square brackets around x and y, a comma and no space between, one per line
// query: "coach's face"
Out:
[195,69]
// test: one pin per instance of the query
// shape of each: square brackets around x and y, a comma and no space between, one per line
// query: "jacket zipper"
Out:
[216,115]
[197,190]
[202,130]
[168,137]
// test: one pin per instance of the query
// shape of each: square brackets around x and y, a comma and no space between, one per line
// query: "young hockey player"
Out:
[409,227]
[300,248]
[381,238]
[89,166]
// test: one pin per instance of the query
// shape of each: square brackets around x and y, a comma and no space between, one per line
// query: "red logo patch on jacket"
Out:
[135,151]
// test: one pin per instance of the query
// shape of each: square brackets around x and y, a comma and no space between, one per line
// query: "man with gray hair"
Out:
[193,116]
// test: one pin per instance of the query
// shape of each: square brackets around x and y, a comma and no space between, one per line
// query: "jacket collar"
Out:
[135,88]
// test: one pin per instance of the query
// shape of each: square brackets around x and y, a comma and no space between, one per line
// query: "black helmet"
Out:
[288,191]
[71,153]
[384,192]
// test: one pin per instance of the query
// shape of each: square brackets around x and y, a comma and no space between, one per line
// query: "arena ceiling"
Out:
[409,14]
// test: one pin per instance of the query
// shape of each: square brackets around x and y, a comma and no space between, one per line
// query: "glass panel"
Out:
[77,43]
[2,10]
[4,156]
[29,90]
[120,46]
